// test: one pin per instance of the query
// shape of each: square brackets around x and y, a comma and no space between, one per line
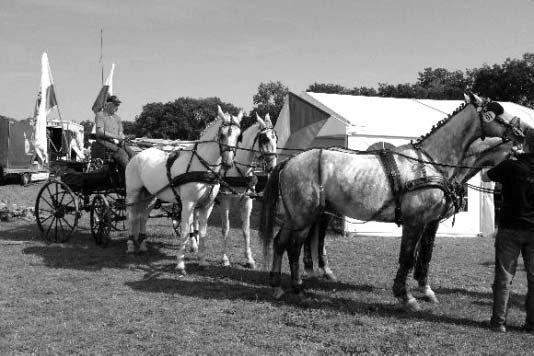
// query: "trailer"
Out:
[17,156]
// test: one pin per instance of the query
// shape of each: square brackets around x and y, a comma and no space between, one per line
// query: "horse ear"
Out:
[467,98]
[260,120]
[478,99]
[268,120]
[240,116]
[220,112]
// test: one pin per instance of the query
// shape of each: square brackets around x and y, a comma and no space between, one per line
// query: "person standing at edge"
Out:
[516,232]
[109,135]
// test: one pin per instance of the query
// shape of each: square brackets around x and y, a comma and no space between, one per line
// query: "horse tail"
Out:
[268,210]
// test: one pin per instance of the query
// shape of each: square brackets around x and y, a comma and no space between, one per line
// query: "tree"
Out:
[129,128]
[512,81]
[440,83]
[328,88]
[87,129]
[269,99]
[183,118]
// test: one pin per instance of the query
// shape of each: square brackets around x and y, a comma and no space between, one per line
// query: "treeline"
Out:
[184,118]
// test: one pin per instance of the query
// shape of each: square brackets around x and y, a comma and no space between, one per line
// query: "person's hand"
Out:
[115,141]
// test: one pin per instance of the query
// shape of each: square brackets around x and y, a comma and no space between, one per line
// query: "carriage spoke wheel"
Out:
[100,220]
[56,211]
[117,204]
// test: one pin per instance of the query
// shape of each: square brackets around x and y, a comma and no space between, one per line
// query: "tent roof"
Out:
[390,116]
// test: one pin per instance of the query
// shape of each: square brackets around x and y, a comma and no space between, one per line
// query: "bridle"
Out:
[261,139]
[223,147]
[486,116]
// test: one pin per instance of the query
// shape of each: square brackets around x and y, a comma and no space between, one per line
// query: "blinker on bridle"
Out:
[487,115]
[222,146]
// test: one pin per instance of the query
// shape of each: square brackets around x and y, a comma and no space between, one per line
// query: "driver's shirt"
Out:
[111,124]
[517,179]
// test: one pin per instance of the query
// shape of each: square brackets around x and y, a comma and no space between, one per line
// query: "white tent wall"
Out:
[357,122]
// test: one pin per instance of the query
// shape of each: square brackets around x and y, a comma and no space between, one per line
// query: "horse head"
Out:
[228,136]
[266,139]
[495,121]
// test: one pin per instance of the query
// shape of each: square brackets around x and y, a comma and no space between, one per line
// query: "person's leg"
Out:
[528,257]
[507,248]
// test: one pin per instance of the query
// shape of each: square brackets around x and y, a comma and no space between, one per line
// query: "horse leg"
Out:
[225,223]
[145,209]
[186,221]
[246,210]
[293,254]
[280,243]
[324,267]
[310,247]
[422,262]
[203,215]
[193,233]
[133,199]
[410,237]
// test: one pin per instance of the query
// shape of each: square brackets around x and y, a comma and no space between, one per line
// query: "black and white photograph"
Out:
[284,177]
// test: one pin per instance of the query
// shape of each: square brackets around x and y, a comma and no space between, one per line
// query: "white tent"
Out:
[357,122]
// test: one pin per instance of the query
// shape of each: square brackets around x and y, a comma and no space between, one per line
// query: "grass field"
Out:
[79,298]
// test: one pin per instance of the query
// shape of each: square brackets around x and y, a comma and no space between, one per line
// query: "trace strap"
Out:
[454,192]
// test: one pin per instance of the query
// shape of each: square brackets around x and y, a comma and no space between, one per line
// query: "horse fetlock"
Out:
[308,273]
[225,261]
[428,294]
[278,293]
[130,246]
[143,247]
[275,279]
[250,264]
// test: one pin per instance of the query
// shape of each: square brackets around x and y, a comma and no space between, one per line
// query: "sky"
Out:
[165,49]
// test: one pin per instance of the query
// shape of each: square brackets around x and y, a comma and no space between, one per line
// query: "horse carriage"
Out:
[95,186]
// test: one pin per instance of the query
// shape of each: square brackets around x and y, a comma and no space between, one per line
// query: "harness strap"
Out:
[170,161]
[392,172]
[322,199]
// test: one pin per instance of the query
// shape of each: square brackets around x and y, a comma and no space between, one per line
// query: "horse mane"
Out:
[207,133]
[438,125]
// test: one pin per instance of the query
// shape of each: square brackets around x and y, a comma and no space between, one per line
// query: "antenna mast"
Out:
[102,55]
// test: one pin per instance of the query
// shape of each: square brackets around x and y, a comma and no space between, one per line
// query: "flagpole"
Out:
[102,56]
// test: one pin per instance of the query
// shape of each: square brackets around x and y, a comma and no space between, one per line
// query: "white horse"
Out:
[258,142]
[195,177]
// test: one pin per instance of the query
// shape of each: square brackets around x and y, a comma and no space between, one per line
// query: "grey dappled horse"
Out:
[355,185]
[481,153]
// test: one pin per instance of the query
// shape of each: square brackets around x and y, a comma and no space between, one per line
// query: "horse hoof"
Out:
[431,298]
[193,249]
[411,305]
[203,264]
[278,293]
[250,265]
[308,274]
[328,274]
[143,247]
[130,247]
[181,272]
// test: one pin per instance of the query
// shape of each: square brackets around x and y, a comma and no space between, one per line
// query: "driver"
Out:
[109,135]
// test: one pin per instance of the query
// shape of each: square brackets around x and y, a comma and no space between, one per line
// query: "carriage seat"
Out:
[104,178]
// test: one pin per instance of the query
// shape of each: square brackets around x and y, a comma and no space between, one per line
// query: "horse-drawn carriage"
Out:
[95,186]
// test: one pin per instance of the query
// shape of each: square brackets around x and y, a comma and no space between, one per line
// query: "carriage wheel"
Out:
[117,204]
[101,220]
[56,211]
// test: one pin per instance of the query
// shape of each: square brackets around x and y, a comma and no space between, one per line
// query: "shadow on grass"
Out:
[20,230]
[224,288]
[81,253]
